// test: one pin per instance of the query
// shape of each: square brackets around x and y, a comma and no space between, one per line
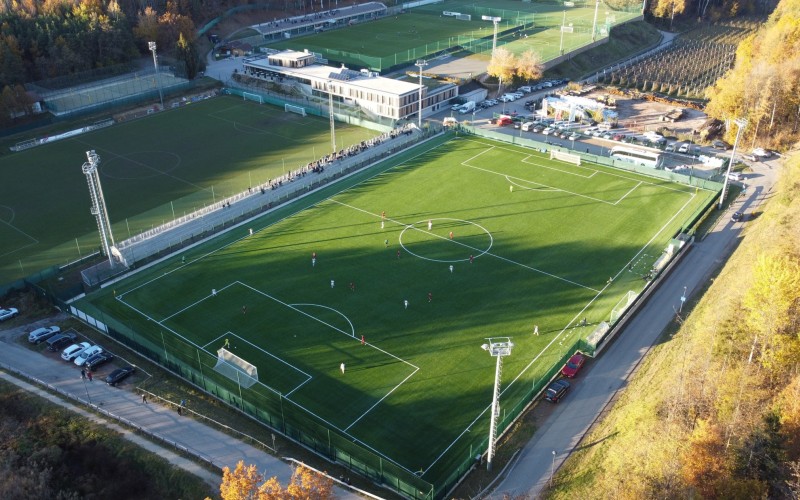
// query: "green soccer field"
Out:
[167,164]
[515,240]
[424,31]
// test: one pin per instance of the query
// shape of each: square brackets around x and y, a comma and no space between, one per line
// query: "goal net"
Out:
[235,368]
[247,96]
[622,306]
[567,157]
[290,108]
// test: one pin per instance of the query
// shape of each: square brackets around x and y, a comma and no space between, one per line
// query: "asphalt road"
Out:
[562,430]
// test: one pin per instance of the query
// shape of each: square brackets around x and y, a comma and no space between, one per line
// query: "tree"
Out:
[245,483]
[529,65]
[241,483]
[187,55]
[503,65]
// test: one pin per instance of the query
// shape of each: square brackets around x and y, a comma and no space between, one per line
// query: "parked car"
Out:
[60,341]
[670,147]
[119,375]
[81,358]
[735,176]
[762,153]
[737,216]
[548,131]
[750,157]
[575,136]
[718,144]
[684,148]
[74,351]
[556,390]
[8,313]
[573,365]
[98,359]
[42,334]
[525,88]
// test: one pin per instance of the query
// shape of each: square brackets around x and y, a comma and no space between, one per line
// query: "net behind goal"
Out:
[235,368]
[290,108]
[567,157]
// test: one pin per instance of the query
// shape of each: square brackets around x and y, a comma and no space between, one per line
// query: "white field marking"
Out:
[474,250]
[570,324]
[482,152]
[604,172]
[593,170]
[381,400]
[309,412]
[149,167]
[516,183]
[626,194]
[237,125]
[308,376]
[352,328]
[323,322]
[479,254]
[540,184]
[33,242]
[195,303]
[330,198]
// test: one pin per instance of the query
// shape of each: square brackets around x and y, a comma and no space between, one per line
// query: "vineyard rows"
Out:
[692,63]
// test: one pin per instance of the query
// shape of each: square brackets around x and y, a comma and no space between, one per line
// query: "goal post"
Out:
[247,96]
[567,157]
[291,108]
[235,368]
[622,306]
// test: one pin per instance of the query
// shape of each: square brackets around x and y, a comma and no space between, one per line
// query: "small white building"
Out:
[384,97]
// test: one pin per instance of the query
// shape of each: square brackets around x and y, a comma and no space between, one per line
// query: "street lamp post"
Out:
[683,300]
[552,468]
[497,347]
[741,123]
[152,47]
[421,63]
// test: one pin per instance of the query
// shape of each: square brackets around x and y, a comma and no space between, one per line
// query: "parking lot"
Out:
[638,121]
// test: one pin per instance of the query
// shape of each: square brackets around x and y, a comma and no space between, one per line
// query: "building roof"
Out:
[348,77]
[292,55]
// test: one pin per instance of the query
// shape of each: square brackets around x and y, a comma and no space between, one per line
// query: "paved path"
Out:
[175,431]
[563,429]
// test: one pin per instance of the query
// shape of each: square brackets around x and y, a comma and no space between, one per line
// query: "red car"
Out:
[574,365]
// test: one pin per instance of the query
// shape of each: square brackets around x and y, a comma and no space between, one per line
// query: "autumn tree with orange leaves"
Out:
[246,483]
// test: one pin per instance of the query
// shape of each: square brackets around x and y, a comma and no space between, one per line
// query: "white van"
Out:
[527,126]
[684,148]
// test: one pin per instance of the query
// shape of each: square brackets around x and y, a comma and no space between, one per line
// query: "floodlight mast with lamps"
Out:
[98,208]
[495,21]
[152,47]
[497,347]
[421,63]
[741,123]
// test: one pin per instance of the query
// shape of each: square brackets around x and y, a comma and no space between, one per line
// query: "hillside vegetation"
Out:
[714,411]
[764,85]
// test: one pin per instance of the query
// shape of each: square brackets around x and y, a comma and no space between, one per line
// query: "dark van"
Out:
[60,341]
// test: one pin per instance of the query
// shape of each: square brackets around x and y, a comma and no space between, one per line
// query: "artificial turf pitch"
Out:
[551,244]
[152,170]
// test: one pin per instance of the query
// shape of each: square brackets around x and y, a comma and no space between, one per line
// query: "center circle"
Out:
[449,226]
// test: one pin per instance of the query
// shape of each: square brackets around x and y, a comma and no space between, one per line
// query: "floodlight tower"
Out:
[421,63]
[98,207]
[330,115]
[496,22]
[594,23]
[152,47]
[741,123]
[497,347]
